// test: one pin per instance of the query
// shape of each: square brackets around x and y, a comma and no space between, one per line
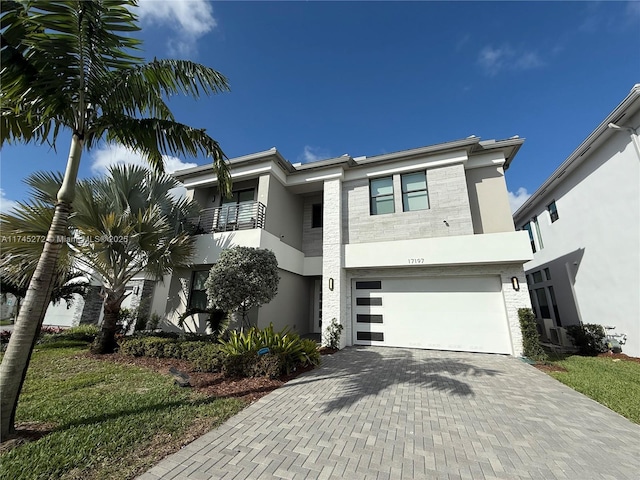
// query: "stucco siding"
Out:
[290,307]
[488,200]
[596,239]
[284,214]
[311,237]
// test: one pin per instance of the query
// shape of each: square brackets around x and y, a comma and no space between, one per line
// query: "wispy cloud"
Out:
[312,154]
[505,58]
[6,205]
[517,199]
[188,19]
[113,154]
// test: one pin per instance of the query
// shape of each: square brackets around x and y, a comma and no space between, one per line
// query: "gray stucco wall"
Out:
[311,237]
[290,307]
[448,201]
[284,212]
[489,200]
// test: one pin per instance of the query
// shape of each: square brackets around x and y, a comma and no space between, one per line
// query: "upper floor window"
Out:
[381,190]
[538,234]
[527,227]
[198,296]
[414,192]
[553,211]
[316,215]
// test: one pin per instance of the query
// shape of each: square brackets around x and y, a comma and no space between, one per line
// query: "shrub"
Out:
[135,347]
[530,339]
[205,357]
[81,333]
[242,351]
[240,364]
[154,321]
[332,334]
[588,338]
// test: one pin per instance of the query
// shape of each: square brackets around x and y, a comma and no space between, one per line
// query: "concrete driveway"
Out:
[388,413]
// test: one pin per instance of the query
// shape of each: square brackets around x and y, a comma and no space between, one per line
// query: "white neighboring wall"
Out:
[593,249]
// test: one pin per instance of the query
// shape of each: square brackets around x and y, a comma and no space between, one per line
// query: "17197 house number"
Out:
[416,260]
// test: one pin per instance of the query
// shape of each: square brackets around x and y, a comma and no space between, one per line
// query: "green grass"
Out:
[5,322]
[112,421]
[615,384]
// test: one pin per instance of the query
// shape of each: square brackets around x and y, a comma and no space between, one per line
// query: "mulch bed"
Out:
[211,384]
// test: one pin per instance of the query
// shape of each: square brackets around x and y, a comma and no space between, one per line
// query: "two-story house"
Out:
[410,249]
[583,228]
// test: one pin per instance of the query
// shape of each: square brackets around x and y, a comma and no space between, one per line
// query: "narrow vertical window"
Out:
[527,227]
[381,190]
[538,234]
[316,215]
[553,211]
[198,296]
[414,192]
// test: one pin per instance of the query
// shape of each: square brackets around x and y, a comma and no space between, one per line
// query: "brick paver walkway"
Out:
[383,413]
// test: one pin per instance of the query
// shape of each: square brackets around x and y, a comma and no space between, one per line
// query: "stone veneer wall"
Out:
[448,201]
[92,306]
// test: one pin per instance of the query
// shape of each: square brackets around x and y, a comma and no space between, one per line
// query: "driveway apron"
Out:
[392,413]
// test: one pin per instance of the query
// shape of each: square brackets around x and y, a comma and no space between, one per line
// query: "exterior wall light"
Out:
[515,283]
[331,284]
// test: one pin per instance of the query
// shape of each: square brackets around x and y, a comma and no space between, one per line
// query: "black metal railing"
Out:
[226,218]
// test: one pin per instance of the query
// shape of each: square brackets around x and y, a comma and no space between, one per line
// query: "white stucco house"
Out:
[409,249]
[583,226]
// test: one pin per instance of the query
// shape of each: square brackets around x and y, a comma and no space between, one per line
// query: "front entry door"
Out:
[317,306]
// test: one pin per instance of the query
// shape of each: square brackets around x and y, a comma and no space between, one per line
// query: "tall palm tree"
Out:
[71,65]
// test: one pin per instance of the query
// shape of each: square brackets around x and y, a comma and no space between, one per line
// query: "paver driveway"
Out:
[387,413]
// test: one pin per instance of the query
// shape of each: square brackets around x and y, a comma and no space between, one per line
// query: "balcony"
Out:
[230,217]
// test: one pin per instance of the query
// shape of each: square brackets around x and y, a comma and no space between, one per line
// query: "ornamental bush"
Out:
[530,339]
[588,338]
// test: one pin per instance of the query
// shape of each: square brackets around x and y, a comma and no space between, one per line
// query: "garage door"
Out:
[440,313]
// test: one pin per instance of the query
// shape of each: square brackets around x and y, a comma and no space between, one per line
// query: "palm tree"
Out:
[71,64]
[125,224]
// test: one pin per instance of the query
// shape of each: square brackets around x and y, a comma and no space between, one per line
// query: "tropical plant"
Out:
[71,65]
[243,278]
[124,224]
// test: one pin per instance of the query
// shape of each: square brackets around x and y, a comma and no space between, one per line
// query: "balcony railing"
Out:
[226,218]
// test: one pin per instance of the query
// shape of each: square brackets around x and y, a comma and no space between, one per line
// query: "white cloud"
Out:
[114,154]
[517,199]
[6,205]
[313,154]
[494,60]
[189,19]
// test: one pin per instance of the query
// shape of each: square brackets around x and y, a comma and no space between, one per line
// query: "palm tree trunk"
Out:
[106,341]
[27,327]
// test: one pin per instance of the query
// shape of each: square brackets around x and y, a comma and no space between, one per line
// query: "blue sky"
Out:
[321,79]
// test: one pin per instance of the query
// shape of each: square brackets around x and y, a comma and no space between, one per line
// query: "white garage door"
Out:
[440,313]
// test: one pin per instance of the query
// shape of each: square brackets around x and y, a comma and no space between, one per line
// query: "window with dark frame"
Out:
[553,211]
[381,194]
[316,215]
[414,191]
[527,227]
[198,294]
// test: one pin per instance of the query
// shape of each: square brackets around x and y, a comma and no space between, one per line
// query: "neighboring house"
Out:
[583,228]
[409,249]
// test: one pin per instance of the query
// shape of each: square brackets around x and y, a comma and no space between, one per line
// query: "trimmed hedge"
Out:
[204,355]
[530,339]
[588,338]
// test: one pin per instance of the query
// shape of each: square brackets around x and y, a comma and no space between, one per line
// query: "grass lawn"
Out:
[108,420]
[5,322]
[613,383]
